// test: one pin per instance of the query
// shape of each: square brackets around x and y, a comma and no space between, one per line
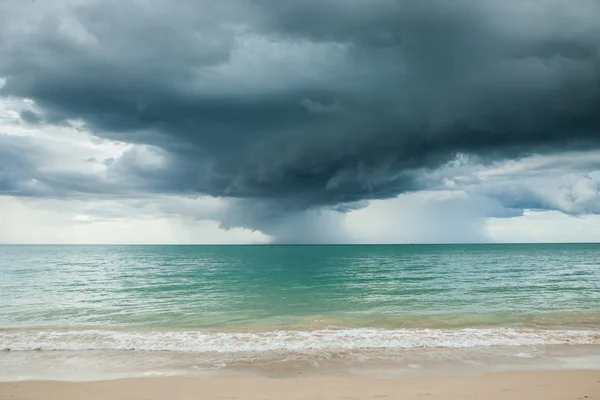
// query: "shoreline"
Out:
[86,366]
[571,384]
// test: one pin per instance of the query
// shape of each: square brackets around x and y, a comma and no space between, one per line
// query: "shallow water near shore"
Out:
[366,363]
[116,311]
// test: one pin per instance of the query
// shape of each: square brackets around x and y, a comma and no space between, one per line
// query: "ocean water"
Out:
[87,312]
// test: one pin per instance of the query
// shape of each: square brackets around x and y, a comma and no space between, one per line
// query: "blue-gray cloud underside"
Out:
[310,103]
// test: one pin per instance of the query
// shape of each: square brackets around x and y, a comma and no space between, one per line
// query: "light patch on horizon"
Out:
[417,218]
[425,217]
[545,227]
[29,222]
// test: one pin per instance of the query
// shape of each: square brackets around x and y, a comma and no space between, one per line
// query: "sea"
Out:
[387,311]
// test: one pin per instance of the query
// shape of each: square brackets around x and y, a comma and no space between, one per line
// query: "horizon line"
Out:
[298,244]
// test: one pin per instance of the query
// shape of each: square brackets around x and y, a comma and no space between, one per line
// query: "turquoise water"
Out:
[249,286]
[236,300]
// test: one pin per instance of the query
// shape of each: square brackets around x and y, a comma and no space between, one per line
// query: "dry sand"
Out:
[515,386]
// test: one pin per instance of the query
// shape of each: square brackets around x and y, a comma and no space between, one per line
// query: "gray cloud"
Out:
[577,195]
[305,104]
[560,182]
[30,117]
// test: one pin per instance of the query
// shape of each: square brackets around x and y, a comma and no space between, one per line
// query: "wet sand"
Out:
[576,385]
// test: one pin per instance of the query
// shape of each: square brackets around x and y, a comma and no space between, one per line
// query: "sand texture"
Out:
[515,385]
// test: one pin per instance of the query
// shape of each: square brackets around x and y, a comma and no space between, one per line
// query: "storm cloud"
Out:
[297,105]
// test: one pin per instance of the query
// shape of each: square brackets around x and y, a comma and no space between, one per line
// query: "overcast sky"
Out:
[313,121]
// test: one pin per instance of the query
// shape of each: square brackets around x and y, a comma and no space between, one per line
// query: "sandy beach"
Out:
[576,385]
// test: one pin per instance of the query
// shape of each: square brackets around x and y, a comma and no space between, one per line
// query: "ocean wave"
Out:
[228,342]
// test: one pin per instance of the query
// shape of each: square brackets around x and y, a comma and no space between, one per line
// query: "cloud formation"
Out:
[293,106]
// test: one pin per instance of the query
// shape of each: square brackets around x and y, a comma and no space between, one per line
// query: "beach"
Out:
[564,385]
[357,318]
[299,199]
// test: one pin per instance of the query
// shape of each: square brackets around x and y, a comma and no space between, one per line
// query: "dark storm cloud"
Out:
[311,103]
[30,117]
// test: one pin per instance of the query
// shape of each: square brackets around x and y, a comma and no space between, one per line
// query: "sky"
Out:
[283,121]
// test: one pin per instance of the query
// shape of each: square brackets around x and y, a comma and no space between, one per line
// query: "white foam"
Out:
[336,340]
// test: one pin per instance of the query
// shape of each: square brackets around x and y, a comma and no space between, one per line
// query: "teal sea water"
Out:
[205,308]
